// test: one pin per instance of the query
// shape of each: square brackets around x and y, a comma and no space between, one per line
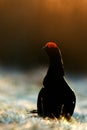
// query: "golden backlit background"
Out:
[26,25]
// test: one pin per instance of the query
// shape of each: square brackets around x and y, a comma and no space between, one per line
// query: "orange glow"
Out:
[62,6]
[52,4]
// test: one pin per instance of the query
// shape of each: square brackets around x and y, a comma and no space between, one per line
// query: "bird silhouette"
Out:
[56,98]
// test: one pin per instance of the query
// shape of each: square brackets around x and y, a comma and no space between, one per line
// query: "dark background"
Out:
[26,25]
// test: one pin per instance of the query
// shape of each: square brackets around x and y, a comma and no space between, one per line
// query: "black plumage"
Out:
[56,98]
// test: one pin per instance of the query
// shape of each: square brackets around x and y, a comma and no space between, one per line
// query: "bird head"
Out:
[55,56]
[52,50]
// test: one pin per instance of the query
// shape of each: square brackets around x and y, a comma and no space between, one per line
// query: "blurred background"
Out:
[26,25]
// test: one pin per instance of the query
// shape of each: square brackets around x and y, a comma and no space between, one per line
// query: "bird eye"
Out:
[73,102]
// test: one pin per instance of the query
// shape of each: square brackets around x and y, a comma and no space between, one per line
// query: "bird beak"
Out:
[44,47]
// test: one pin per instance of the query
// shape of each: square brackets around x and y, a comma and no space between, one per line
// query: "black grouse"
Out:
[56,98]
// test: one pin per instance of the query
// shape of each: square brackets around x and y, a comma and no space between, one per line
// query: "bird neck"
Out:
[56,67]
[54,74]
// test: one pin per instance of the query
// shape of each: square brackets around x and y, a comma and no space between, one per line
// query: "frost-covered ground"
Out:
[18,96]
